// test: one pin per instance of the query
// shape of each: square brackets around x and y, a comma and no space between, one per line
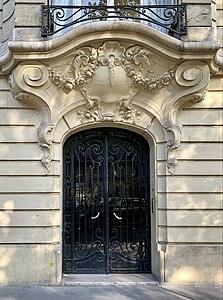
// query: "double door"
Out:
[106,212]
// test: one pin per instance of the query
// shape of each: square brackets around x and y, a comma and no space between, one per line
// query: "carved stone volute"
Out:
[193,78]
[109,79]
[27,83]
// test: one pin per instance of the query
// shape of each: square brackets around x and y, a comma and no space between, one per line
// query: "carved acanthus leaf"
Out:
[172,145]
[131,115]
[122,114]
[45,144]
[82,68]
[125,111]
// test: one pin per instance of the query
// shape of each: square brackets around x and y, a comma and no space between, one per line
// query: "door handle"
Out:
[96,216]
[117,217]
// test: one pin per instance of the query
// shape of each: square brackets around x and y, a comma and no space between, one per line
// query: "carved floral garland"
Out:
[87,60]
[137,66]
[67,84]
[150,83]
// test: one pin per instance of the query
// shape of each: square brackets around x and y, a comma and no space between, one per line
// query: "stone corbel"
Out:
[26,82]
[193,78]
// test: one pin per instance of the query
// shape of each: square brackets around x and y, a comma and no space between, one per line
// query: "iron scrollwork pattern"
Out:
[106,203]
[172,18]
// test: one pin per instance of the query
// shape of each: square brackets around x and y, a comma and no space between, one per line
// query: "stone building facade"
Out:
[116,75]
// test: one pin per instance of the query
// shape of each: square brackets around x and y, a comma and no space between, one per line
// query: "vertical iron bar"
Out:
[178,19]
[114,192]
[72,205]
[79,195]
[139,154]
[64,203]
[121,197]
[84,199]
[126,194]
[148,214]
[92,197]
[106,204]
[127,207]
[185,20]
[98,191]
[133,198]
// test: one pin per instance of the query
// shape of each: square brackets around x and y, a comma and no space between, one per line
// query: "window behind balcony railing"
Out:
[167,16]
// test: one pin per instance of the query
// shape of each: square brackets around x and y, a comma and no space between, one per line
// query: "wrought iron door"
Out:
[106,220]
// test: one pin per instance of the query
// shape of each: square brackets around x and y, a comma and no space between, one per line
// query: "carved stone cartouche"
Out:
[108,78]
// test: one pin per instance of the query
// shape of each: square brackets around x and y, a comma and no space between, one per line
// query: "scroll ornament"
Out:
[114,64]
[109,77]
[194,77]
[35,76]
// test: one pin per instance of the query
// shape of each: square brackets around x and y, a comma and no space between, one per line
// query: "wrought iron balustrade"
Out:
[171,19]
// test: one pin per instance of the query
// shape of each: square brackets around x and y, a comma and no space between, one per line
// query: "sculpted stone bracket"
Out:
[108,78]
[194,77]
[26,83]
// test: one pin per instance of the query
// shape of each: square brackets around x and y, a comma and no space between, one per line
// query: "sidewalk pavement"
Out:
[117,287]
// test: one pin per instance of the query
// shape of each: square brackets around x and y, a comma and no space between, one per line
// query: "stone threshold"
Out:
[110,279]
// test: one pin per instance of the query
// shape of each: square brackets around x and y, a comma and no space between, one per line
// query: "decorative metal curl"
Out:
[170,18]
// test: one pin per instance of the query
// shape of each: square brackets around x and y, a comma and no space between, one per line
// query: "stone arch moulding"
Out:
[112,80]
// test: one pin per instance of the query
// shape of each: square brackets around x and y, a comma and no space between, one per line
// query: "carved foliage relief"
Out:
[109,77]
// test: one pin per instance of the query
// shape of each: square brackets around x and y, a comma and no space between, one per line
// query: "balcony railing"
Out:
[171,19]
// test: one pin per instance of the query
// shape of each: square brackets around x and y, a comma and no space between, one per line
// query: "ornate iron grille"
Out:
[170,18]
[106,221]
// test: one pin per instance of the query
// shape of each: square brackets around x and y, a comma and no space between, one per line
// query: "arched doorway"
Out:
[106,210]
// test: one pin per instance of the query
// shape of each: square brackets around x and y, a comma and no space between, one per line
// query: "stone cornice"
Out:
[164,45]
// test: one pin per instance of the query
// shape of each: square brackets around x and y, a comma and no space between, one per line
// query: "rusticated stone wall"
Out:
[36,117]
